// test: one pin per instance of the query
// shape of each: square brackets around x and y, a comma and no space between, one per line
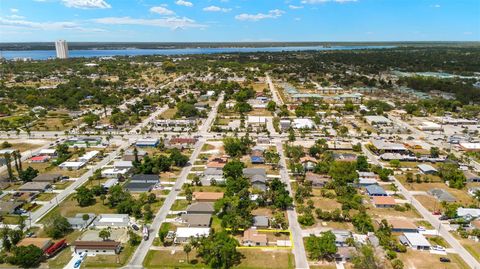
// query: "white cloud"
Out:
[15,17]
[14,10]
[436,6]
[184,3]
[62,25]
[162,10]
[216,9]
[325,1]
[295,7]
[272,14]
[86,4]
[172,22]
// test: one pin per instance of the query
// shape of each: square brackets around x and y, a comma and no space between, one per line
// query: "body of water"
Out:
[47,54]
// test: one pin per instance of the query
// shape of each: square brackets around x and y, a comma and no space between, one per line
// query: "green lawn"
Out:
[109,261]
[179,205]
[45,197]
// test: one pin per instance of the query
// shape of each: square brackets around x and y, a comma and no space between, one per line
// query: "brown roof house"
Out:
[97,247]
[402,226]
[41,243]
[207,196]
[318,181]
[252,238]
[383,201]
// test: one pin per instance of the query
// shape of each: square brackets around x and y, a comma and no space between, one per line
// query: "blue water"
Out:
[46,54]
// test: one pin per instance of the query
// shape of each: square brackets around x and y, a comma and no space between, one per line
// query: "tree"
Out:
[90,119]
[187,248]
[450,173]
[58,226]
[395,163]
[362,222]
[434,152]
[233,169]
[362,163]
[394,188]
[343,171]
[322,247]
[365,258]
[219,250]
[8,163]
[278,195]
[27,256]
[84,196]
[397,264]
[271,106]
[178,158]
[28,174]
[104,234]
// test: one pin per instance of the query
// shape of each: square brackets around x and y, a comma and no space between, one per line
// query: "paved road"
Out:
[42,211]
[142,250]
[211,117]
[275,95]
[298,248]
[427,215]
[150,119]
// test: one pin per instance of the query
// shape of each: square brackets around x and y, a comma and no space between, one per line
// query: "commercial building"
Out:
[92,248]
[111,221]
[61,47]
[378,120]
[147,142]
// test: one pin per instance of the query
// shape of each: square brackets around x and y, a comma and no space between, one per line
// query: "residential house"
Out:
[415,240]
[207,196]
[384,146]
[181,143]
[39,159]
[34,186]
[200,208]
[51,178]
[470,213]
[142,183]
[383,201]
[318,181]
[9,207]
[147,142]
[471,177]
[129,155]
[197,220]
[442,195]
[92,248]
[88,156]
[40,242]
[375,190]
[344,254]
[341,237]
[261,221]
[402,226]
[427,169]
[212,175]
[123,165]
[251,238]
[308,163]
[72,165]
[48,152]
[78,223]
[184,234]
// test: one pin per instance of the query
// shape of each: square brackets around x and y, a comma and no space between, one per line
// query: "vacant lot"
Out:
[253,259]
[425,260]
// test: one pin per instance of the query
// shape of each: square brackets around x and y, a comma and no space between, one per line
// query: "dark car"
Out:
[444,259]
[135,227]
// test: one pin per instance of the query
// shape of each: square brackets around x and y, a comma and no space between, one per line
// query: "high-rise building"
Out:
[61,47]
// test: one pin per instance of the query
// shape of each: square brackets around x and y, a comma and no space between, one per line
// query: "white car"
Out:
[438,248]
[421,229]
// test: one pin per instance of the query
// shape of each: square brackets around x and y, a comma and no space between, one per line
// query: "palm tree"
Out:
[187,249]
[15,159]
[8,160]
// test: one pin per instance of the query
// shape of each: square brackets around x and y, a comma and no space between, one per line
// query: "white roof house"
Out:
[122,164]
[470,146]
[256,120]
[388,146]
[48,152]
[468,212]
[3,151]
[72,165]
[114,172]
[415,240]
[185,233]
[88,156]
[426,169]
[378,120]
[430,126]
[111,220]
[303,124]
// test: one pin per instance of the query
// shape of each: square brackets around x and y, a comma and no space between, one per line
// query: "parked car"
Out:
[77,264]
[421,229]
[444,259]
[438,248]
[135,227]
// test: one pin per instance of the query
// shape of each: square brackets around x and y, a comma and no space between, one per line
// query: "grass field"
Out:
[109,261]
[253,259]
[69,208]
[425,260]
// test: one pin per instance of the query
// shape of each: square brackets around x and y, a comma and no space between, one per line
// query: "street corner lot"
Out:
[426,260]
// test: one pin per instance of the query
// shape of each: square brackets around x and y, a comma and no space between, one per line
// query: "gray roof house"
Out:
[210,174]
[78,223]
[259,182]
[261,221]
[375,190]
[47,178]
[442,195]
[34,186]
[111,221]
[250,172]
[142,183]
[427,169]
[200,208]
[197,220]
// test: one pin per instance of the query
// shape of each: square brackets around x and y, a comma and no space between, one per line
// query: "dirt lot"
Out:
[424,260]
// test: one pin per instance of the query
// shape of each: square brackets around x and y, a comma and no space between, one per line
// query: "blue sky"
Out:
[239,20]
